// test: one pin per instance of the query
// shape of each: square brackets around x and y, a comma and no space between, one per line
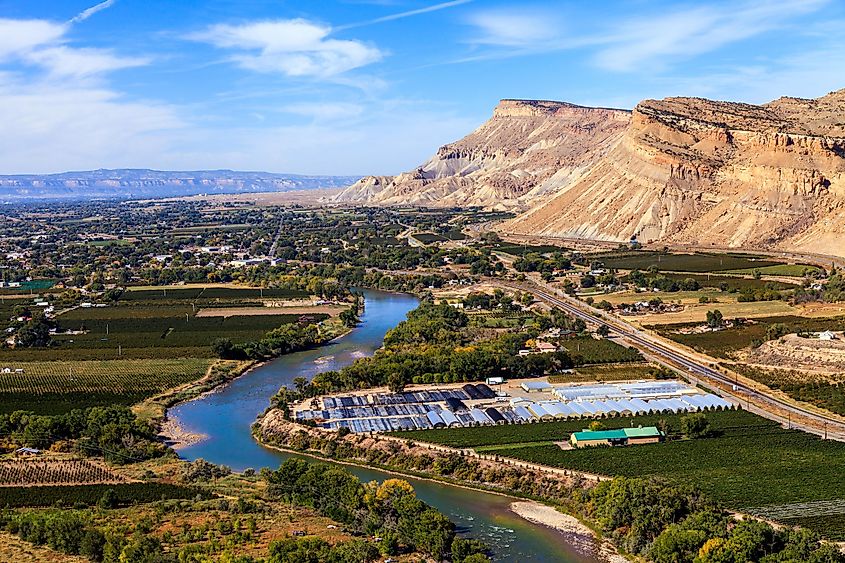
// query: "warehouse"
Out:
[618,437]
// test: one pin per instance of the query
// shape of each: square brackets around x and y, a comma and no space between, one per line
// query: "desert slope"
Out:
[696,171]
[527,149]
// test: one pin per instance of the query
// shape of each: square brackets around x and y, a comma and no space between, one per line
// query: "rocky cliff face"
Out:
[696,171]
[678,170]
[527,149]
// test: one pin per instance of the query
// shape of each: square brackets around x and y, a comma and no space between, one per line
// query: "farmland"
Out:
[731,282]
[89,495]
[515,433]
[789,270]
[723,343]
[748,463]
[149,329]
[606,372]
[698,262]
[601,351]
[827,392]
[59,386]
[26,472]
[767,465]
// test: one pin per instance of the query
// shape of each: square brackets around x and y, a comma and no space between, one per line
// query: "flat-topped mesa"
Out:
[548,108]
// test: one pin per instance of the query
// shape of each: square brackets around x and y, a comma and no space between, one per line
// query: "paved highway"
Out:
[770,405]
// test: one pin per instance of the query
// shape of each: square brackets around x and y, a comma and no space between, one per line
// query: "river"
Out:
[225,417]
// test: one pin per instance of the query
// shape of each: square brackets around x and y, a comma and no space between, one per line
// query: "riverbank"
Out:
[577,535]
[576,532]
[170,431]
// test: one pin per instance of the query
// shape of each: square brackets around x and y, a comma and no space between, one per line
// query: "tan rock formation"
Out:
[695,171]
[527,149]
[678,170]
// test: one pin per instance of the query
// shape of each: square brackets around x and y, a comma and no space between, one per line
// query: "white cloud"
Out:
[22,36]
[407,14]
[685,33]
[292,47]
[514,28]
[87,13]
[62,128]
[43,44]
[644,41]
[64,61]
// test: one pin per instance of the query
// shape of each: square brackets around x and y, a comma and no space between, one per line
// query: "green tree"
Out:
[695,425]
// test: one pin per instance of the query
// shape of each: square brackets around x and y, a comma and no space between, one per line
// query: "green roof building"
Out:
[617,437]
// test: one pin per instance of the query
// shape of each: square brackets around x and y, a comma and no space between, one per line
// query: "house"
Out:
[546,347]
[494,380]
[828,335]
[27,452]
[617,437]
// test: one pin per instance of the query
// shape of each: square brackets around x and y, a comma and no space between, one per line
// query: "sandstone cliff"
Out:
[678,170]
[696,171]
[528,148]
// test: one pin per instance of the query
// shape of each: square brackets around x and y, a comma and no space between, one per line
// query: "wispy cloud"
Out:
[294,47]
[87,13]
[515,27]
[406,14]
[43,43]
[667,38]
[628,43]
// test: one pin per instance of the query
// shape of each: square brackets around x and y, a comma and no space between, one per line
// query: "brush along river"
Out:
[224,418]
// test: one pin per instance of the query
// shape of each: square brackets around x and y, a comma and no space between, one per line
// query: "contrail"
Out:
[85,14]
[408,14]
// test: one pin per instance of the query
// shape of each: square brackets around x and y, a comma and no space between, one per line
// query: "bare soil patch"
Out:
[795,352]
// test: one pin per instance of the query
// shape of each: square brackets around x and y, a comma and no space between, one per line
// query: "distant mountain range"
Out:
[142,183]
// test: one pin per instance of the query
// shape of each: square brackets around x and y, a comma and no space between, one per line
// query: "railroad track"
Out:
[817,423]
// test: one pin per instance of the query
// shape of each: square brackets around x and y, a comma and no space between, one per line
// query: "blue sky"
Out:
[367,86]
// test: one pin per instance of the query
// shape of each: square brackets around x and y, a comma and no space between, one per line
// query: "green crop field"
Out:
[602,351]
[428,238]
[732,283]
[480,436]
[60,386]
[146,331]
[794,270]
[698,262]
[204,293]
[69,495]
[750,463]
[722,343]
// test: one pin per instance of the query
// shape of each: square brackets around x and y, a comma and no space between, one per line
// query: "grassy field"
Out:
[750,463]
[697,262]
[60,386]
[721,344]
